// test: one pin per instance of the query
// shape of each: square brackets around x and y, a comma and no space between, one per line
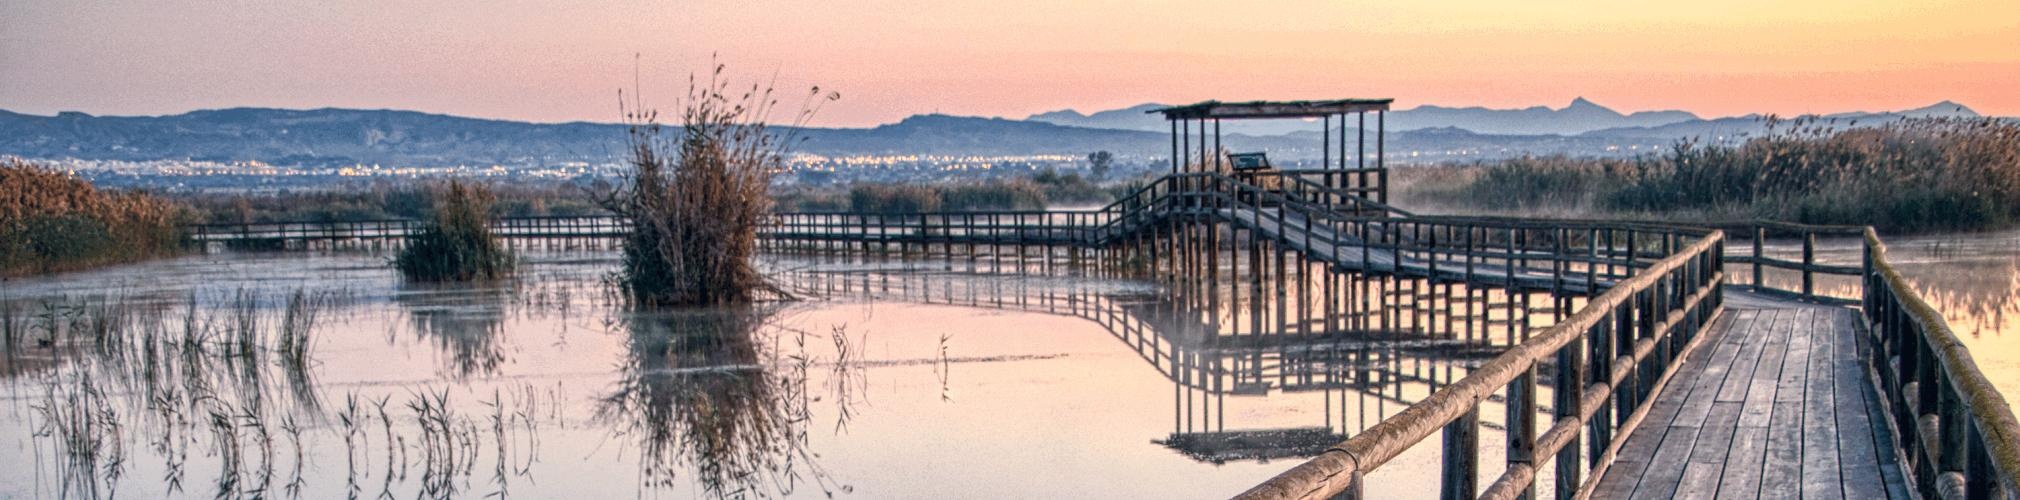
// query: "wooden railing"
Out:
[1757,233]
[1957,433]
[583,226]
[1613,356]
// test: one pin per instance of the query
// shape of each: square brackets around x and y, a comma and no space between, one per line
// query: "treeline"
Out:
[1916,175]
[51,221]
[1046,189]
[387,201]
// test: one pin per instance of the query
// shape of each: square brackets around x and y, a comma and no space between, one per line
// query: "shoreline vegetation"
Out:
[456,242]
[1042,190]
[1903,177]
[1909,176]
[51,221]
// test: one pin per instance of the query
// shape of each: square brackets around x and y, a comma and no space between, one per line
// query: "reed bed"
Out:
[1911,175]
[456,244]
[51,222]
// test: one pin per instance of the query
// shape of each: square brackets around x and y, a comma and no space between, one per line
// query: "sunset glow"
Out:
[550,62]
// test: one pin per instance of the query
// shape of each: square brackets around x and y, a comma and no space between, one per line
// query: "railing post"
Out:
[1568,390]
[1521,421]
[1461,473]
[1809,262]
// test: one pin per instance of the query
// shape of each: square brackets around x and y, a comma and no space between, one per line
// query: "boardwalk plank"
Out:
[1781,471]
[1859,459]
[1738,380]
[1760,394]
[1742,471]
[1705,383]
[1821,476]
[1665,470]
[1883,443]
[1619,480]
[1700,481]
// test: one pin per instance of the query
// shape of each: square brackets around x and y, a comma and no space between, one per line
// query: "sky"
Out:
[553,61]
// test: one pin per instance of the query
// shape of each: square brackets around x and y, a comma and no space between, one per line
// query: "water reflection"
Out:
[710,391]
[424,392]
[1345,379]
[464,325]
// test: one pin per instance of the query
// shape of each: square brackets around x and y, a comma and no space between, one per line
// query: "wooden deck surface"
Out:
[1776,404]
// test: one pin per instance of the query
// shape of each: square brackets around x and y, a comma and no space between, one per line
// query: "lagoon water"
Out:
[888,379]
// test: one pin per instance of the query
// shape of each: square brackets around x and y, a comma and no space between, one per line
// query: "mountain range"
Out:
[336,137]
[1580,117]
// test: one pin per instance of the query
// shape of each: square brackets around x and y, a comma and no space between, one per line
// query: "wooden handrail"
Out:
[1929,379]
[1338,470]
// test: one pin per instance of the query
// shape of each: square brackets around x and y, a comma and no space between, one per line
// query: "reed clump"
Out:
[1911,175]
[457,244]
[697,198]
[51,222]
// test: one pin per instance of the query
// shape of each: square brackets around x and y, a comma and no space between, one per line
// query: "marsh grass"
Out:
[1912,175]
[696,198]
[456,243]
[52,222]
[185,384]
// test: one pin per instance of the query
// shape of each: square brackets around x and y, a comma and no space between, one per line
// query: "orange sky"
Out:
[558,61]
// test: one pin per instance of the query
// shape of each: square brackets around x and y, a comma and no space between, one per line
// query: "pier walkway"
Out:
[1774,403]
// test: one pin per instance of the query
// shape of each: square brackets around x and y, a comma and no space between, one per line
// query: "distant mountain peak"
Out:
[1945,108]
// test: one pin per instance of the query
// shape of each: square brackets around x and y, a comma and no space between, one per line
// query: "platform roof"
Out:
[1272,109]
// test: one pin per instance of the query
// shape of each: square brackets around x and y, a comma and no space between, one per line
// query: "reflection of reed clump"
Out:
[700,389]
[465,327]
[1976,298]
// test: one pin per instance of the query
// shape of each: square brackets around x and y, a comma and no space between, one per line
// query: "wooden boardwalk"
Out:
[1776,403]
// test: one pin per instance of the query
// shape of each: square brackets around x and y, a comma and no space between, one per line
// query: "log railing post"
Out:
[1461,469]
[1521,421]
[1809,264]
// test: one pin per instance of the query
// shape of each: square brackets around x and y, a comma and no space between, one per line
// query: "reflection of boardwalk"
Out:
[1775,403]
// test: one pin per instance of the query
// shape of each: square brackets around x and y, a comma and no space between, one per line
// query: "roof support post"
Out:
[1381,139]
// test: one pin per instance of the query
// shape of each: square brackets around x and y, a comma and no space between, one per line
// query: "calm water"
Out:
[888,380]
[1975,280]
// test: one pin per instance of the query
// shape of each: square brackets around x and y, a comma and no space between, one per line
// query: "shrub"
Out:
[894,198]
[697,199]
[456,243]
[51,221]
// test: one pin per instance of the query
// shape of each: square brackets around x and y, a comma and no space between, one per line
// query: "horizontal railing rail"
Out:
[1807,267]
